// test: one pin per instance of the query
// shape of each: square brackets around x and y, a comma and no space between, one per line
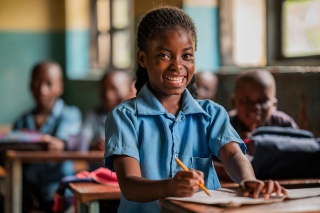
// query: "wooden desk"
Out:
[15,159]
[305,205]
[288,184]
[90,194]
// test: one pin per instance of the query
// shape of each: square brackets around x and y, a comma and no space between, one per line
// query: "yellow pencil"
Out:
[186,169]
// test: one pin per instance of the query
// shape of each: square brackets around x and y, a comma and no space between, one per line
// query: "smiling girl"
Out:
[144,135]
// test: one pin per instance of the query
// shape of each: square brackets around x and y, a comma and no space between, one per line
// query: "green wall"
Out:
[19,51]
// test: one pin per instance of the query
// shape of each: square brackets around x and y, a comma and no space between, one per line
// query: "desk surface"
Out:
[305,205]
[288,184]
[45,156]
[88,191]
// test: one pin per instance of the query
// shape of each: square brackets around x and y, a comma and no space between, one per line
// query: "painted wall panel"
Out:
[32,15]
[18,53]
[77,54]
[206,21]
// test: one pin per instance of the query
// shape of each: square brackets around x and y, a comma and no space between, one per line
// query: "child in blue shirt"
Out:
[144,135]
[56,121]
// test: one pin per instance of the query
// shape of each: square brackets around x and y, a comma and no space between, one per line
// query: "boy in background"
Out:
[115,86]
[255,103]
[56,121]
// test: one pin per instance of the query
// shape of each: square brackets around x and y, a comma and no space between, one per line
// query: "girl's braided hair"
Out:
[155,23]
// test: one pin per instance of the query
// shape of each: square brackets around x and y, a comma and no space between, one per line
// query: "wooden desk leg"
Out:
[81,207]
[14,187]
[94,207]
[90,207]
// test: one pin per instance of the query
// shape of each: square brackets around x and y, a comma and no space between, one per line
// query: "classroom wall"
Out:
[30,31]
[36,30]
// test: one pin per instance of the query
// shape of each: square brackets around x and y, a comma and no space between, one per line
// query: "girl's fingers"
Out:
[257,189]
[278,188]
[269,188]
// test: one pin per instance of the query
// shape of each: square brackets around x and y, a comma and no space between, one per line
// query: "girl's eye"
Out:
[188,56]
[164,55]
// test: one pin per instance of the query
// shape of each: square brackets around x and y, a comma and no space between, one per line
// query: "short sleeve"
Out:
[121,135]
[70,123]
[221,131]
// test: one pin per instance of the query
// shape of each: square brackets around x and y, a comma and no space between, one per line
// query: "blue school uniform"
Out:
[143,129]
[64,121]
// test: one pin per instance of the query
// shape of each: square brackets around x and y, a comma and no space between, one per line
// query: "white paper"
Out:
[303,193]
[229,198]
[226,197]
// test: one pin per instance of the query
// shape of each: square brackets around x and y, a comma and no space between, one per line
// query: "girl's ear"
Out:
[141,56]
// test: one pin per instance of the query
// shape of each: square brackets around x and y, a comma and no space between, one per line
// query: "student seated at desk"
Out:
[56,121]
[115,86]
[207,83]
[145,134]
[255,103]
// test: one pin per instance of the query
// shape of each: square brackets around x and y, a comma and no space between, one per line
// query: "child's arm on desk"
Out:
[54,144]
[240,170]
[139,189]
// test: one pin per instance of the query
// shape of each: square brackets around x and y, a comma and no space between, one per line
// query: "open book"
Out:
[230,198]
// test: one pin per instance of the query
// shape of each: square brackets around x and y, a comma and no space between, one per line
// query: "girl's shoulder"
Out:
[128,106]
[210,106]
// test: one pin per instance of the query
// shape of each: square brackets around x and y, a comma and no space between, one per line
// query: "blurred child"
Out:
[115,86]
[255,103]
[207,83]
[56,121]
[145,134]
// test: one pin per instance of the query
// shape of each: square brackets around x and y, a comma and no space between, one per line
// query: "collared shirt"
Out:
[64,121]
[143,129]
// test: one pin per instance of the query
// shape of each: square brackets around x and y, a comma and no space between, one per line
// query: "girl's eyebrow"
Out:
[166,49]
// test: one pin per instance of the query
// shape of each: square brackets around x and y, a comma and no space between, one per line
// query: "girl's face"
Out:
[169,60]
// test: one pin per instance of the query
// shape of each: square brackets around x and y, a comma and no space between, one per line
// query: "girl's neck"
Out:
[172,103]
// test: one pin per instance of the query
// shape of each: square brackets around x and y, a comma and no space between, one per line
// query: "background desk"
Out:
[306,205]
[90,193]
[15,159]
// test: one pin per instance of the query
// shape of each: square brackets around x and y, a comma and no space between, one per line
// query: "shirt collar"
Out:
[148,104]
[57,108]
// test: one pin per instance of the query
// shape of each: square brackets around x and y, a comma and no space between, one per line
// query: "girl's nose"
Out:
[177,65]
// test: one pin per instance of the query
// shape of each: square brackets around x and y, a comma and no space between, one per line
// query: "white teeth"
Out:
[177,79]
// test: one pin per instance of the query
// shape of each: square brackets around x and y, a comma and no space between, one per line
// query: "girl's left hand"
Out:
[256,187]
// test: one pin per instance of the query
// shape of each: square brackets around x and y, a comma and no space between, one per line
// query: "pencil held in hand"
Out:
[186,169]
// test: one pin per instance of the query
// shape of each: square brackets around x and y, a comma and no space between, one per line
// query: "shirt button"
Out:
[176,156]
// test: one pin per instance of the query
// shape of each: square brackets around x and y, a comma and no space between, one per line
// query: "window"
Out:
[301,28]
[257,33]
[243,32]
[111,35]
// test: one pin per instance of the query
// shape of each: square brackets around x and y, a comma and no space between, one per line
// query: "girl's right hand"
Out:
[186,183]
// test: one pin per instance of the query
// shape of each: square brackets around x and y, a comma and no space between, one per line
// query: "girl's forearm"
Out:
[139,189]
[239,168]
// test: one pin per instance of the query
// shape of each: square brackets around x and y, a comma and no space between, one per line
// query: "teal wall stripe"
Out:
[77,53]
[206,21]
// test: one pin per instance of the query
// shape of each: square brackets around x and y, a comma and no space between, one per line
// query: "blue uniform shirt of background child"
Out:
[198,131]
